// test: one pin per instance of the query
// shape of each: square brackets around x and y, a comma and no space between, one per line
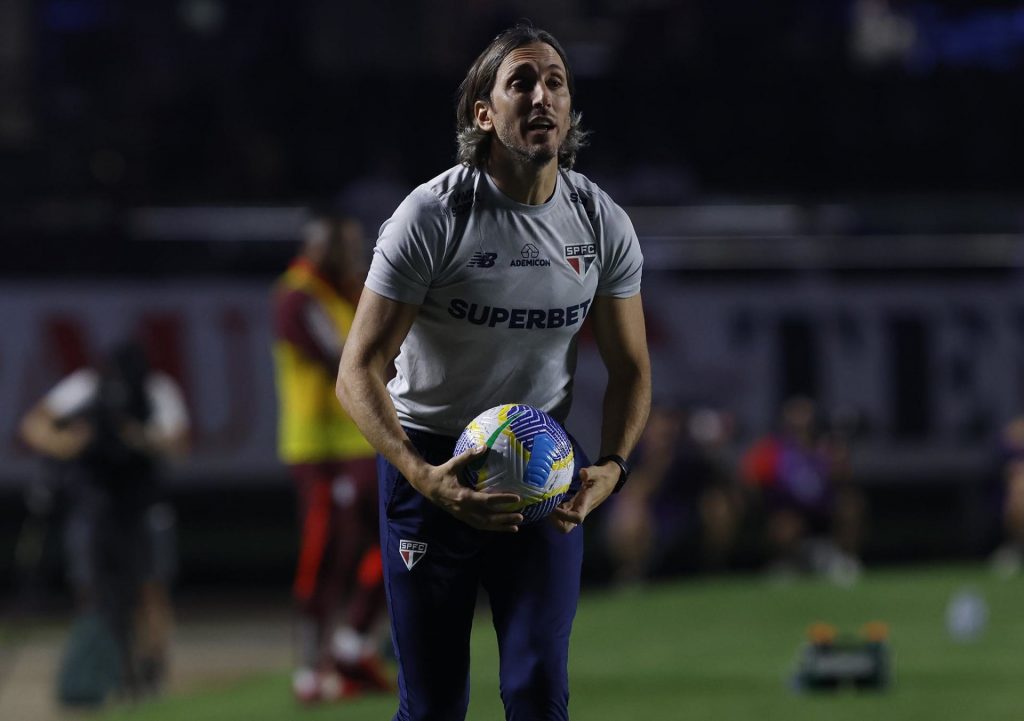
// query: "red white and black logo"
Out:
[581,257]
[411,552]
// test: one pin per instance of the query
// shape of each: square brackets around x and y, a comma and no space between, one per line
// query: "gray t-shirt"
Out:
[503,290]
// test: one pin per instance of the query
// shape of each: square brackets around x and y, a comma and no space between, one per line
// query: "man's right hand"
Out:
[484,511]
[69,442]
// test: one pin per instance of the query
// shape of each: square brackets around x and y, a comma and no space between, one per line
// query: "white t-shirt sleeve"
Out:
[168,415]
[410,249]
[73,393]
[623,262]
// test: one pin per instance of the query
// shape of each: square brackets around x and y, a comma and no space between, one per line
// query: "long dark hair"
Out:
[473,143]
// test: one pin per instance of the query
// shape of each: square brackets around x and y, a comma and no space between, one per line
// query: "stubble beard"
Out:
[536,156]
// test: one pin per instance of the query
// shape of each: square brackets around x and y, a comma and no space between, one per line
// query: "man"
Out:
[1008,558]
[479,284]
[332,464]
[813,513]
[681,506]
[111,426]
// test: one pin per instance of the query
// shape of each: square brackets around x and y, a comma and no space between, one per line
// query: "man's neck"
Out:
[523,182]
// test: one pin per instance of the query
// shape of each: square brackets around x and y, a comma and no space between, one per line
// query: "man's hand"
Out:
[68,442]
[485,511]
[596,484]
[43,433]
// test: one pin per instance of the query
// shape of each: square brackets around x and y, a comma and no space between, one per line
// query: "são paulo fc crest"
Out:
[581,257]
[411,552]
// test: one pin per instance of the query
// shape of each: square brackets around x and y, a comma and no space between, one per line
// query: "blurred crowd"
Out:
[192,101]
[785,502]
[789,502]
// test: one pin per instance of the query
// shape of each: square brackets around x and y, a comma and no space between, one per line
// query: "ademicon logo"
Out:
[530,258]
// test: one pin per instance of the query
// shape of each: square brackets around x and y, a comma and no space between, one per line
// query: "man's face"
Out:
[346,246]
[530,103]
[337,246]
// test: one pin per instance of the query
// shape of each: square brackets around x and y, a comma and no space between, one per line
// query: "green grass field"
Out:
[723,650]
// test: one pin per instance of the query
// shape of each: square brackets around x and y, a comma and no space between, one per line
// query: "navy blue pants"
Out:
[434,565]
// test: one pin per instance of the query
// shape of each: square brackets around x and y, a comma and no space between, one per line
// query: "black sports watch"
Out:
[623,468]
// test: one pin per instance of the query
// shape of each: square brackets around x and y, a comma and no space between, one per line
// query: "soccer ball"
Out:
[529,454]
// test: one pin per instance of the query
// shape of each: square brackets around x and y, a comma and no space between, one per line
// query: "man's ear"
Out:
[482,115]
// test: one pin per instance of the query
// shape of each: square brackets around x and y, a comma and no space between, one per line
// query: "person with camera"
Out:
[110,428]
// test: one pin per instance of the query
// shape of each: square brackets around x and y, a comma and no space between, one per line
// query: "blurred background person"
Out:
[1009,556]
[682,508]
[333,466]
[374,195]
[812,514]
[112,427]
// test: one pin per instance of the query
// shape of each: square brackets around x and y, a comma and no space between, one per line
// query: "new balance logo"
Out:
[482,260]
[411,552]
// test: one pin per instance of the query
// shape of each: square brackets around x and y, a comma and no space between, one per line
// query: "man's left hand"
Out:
[596,484]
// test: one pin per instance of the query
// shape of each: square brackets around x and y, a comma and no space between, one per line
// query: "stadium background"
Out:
[828,194]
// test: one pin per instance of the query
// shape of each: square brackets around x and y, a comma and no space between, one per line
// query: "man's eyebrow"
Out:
[520,66]
[526,64]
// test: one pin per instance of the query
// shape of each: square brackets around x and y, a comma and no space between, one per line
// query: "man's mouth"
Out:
[540,124]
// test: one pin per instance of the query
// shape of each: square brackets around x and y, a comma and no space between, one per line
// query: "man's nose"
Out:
[541,96]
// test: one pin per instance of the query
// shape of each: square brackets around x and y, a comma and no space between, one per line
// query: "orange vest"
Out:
[311,423]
